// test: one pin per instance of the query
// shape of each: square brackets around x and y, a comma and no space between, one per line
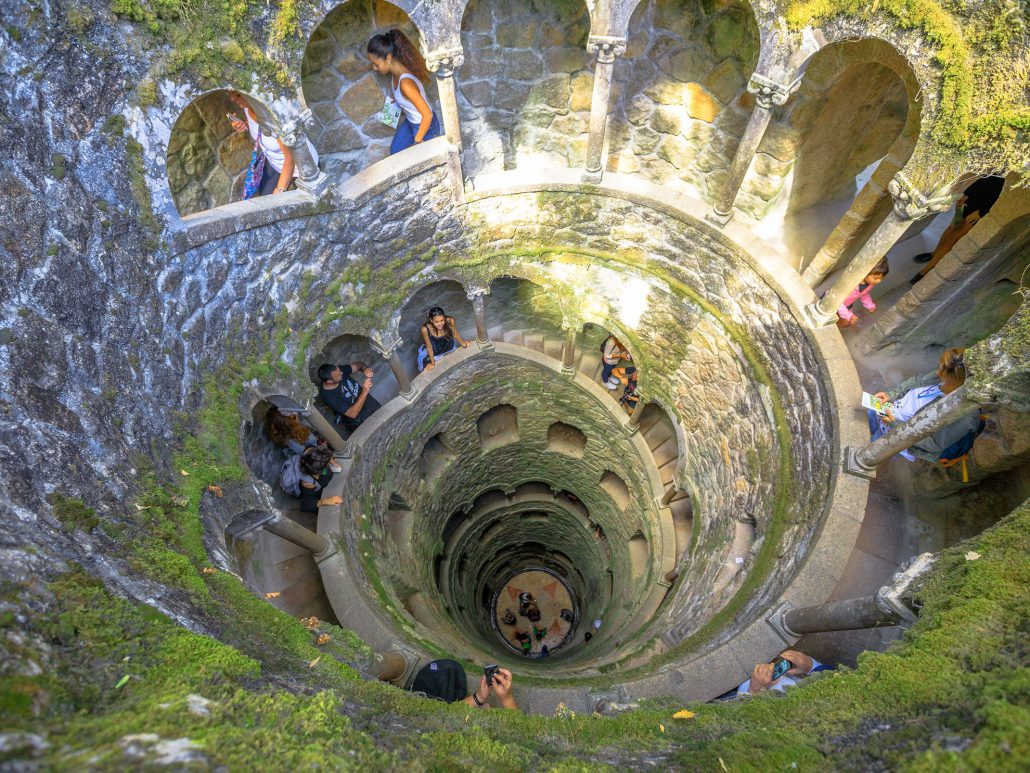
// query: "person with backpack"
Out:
[305,475]
[948,445]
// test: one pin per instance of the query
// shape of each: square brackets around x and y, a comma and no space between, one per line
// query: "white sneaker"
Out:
[612,383]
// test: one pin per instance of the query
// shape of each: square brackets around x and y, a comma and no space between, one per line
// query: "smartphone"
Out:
[780,667]
[231,117]
[488,671]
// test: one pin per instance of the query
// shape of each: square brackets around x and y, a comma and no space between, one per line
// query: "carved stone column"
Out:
[768,94]
[634,418]
[605,50]
[909,204]
[890,605]
[309,177]
[324,428]
[297,534]
[443,64]
[387,344]
[476,296]
[568,353]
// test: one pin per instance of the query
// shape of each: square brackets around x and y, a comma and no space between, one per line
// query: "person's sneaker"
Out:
[923,257]
[613,383]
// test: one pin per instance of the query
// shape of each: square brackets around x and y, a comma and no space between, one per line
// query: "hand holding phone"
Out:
[780,667]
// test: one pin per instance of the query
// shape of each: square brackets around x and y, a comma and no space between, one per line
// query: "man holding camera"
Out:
[782,673]
[446,680]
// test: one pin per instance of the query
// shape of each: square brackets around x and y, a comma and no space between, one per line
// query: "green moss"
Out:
[966,39]
[140,191]
[73,513]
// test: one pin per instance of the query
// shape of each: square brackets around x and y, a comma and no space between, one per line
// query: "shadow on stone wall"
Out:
[207,160]
[342,91]
[524,90]
[842,128]
[679,96]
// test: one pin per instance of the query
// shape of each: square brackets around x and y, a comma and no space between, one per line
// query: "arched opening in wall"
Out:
[436,456]
[498,427]
[344,351]
[276,431]
[522,312]
[616,488]
[854,118]
[981,261]
[679,96]
[271,567]
[565,439]
[207,158]
[447,295]
[662,436]
[524,90]
[344,95]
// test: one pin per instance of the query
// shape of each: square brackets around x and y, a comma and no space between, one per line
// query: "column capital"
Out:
[385,342]
[293,129]
[768,92]
[606,47]
[910,203]
[472,293]
[444,62]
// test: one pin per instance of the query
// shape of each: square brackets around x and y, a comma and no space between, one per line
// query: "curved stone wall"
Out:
[681,102]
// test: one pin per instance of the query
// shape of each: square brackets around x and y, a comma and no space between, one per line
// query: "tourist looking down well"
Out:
[440,336]
[406,108]
[349,400]
[272,169]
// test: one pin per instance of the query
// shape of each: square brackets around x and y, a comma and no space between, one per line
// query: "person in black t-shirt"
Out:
[975,203]
[350,400]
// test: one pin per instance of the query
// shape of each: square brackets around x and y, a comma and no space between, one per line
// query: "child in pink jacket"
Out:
[845,316]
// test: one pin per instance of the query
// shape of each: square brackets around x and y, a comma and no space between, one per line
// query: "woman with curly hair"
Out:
[391,53]
[287,431]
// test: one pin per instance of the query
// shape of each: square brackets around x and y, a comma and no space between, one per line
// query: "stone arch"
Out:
[524,90]
[263,456]
[680,101]
[344,95]
[446,293]
[853,104]
[206,160]
[517,303]
[498,427]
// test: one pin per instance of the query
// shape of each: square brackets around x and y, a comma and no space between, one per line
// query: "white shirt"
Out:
[410,111]
[270,147]
[780,684]
[909,404]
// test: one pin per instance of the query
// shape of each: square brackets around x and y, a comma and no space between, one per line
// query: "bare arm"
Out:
[354,410]
[454,331]
[412,92]
[429,347]
[286,175]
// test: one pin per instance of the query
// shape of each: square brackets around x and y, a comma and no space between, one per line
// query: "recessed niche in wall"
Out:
[436,455]
[498,427]
[616,488]
[565,439]
[638,554]
[535,516]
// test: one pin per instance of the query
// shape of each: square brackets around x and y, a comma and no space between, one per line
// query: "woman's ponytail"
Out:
[396,44]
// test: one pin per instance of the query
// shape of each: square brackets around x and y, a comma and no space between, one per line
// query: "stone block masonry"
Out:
[342,91]
[679,98]
[524,90]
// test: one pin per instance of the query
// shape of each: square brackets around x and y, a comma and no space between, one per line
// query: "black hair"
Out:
[396,44]
[315,459]
[325,371]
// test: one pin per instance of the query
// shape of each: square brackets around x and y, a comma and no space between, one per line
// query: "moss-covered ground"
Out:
[954,694]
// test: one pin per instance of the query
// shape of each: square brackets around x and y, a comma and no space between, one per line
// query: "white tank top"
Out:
[410,111]
[270,146]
